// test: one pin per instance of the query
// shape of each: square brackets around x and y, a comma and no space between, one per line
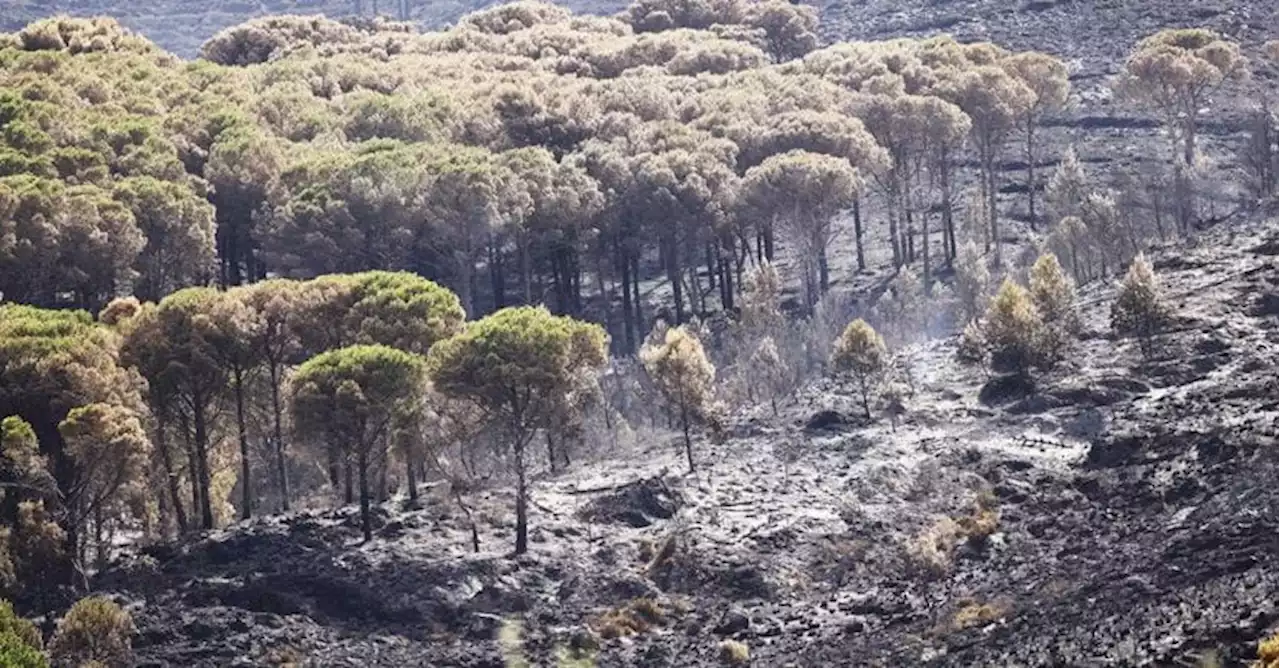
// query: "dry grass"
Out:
[662,558]
[972,614]
[285,656]
[985,518]
[1268,653]
[734,653]
[634,618]
[932,551]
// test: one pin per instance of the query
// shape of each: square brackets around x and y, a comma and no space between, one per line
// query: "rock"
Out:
[1005,389]
[393,529]
[733,621]
[854,624]
[637,506]
[825,419]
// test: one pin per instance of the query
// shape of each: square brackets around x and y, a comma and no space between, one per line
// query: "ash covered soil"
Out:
[1136,505]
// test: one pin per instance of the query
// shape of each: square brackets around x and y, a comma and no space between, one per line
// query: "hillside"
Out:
[293,341]
[1134,505]
[1101,31]
[181,26]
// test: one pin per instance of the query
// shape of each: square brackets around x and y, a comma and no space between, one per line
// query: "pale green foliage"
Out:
[1067,187]
[1013,330]
[1175,70]
[678,365]
[18,628]
[1069,239]
[762,299]
[972,281]
[972,346]
[519,365]
[1139,309]
[94,629]
[903,306]
[63,361]
[20,453]
[1101,219]
[1054,296]
[353,399]
[788,29]
[860,353]
[119,310]
[524,350]
[19,642]
[803,191]
[768,372]
[111,451]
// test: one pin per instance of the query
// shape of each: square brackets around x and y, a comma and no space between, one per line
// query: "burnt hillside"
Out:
[1096,32]
[1131,521]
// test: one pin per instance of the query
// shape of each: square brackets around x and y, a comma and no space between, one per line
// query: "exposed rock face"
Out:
[1135,505]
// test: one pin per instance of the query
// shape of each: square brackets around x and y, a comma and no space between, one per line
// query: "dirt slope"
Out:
[1137,507]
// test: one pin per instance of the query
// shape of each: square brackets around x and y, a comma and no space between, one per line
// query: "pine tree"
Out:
[678,365]
[861,354]
[1139,309]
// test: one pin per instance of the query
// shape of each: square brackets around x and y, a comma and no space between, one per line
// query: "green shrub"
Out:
[16,653]
[1139,310]
[20,642]
[1054,296]
[861,354]
[94,629]
[1013,330]
[20,628]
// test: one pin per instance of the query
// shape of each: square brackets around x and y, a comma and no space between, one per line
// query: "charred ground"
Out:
[1136,505]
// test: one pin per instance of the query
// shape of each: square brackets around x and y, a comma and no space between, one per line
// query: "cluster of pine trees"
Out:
[220,275]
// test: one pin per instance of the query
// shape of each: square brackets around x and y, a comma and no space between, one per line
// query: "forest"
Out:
[329,261]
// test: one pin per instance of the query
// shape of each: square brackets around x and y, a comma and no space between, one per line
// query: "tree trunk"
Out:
[193,468]
[991,201]
[1031,172]
[948,223]
[170,478]
[688,442]
[824,272]
[522,499]
[202,464]
[348,490]
[384,472]
[710,253]
[857,233]
[628,317]
[551,451]
[1189,140]
[894,240]
[366,524]
[726,278]
[282,469]
[635,287]
[676,280]
[924,251]
[246,510]
[410,480]
[497,281]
